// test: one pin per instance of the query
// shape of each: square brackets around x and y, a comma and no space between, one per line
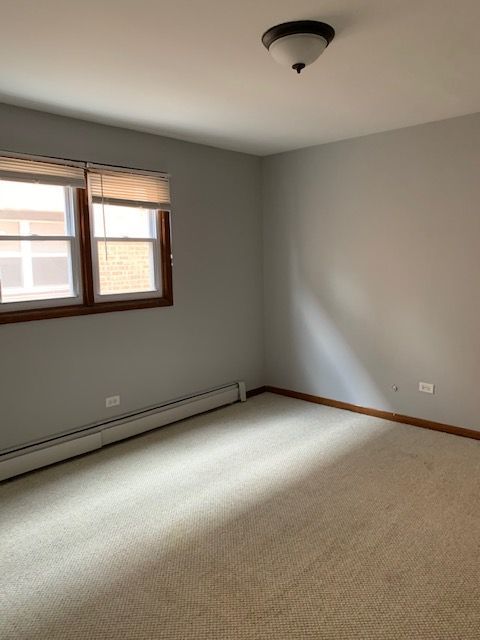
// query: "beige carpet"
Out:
[267,520]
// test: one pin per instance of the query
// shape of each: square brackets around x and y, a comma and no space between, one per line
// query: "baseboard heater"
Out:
[98,435]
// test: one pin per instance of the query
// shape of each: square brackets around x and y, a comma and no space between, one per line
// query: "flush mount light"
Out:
[298,44]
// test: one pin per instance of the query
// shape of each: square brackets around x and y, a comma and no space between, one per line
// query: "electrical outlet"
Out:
[112,401]
[426,387]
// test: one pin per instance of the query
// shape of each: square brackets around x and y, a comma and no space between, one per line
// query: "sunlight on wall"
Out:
[322,351]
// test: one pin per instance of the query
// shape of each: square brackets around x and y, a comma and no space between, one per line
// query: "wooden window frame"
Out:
[89,305]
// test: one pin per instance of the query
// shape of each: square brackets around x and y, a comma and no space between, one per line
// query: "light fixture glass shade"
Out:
[299,43]
[298,49]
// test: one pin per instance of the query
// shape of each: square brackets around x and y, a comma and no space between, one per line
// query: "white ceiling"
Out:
[196,69]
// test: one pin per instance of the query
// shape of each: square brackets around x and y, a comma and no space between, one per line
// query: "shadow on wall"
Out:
[319,335]
[323,360]
[275,519]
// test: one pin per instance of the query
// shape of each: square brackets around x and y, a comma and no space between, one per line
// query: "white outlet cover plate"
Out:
[426,387]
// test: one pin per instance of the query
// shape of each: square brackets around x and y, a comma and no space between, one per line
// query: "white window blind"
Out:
[42,172]
[125,187]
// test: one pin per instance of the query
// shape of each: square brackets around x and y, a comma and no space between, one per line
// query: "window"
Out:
[126,233]
[77,239]
[125,241]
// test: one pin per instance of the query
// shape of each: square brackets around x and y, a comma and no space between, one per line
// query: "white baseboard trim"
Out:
[41,455]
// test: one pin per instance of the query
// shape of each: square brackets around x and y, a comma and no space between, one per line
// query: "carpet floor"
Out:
[273,519]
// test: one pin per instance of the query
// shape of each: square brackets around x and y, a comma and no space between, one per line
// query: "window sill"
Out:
[28,315]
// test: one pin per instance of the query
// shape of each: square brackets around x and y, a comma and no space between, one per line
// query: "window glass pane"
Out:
[36,270]
[50,271]
[48,228]
[125,267]
[10,246]
[10,272]
[123,222]
[39,209]
[49,247]
[9,227]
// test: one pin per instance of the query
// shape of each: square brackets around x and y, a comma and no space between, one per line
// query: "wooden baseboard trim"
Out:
[256,392]
[377,413]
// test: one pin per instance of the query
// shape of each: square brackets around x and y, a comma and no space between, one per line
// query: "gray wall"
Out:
[372,267]
[55,374]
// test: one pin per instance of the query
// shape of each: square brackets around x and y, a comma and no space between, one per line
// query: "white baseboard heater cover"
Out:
[43,454]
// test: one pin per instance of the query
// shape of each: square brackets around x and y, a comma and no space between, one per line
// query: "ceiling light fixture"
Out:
[298,44]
